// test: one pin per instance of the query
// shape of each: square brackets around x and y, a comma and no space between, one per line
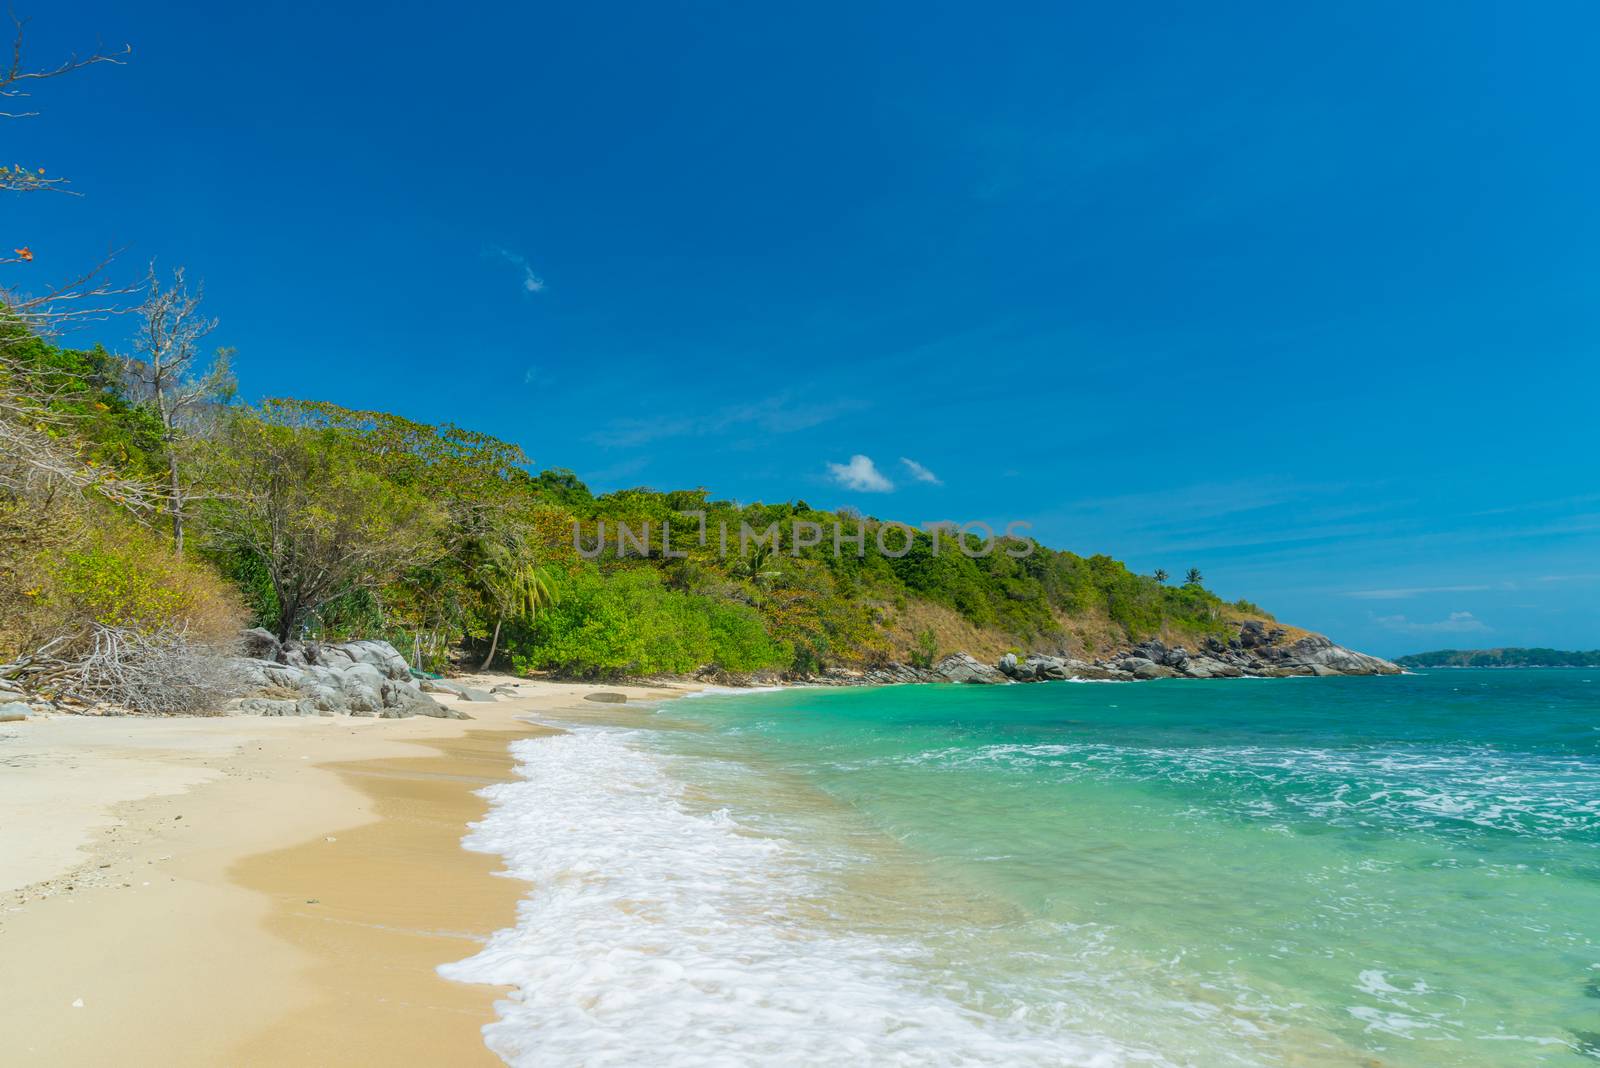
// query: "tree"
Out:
[310,505]
[512,584]
[1193,578]
[168,374]
[1161,574]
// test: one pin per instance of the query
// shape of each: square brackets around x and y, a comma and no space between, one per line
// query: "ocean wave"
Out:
[1532,795]
[658,933]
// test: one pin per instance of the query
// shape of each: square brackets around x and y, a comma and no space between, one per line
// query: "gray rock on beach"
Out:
[360,678]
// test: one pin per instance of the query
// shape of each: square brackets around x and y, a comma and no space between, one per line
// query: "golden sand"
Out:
[250,891]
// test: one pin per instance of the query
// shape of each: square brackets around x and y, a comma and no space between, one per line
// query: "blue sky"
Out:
[1306,299]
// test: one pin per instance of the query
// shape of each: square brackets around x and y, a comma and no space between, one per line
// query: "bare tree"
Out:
[86,295]
[33,457]
[168,373]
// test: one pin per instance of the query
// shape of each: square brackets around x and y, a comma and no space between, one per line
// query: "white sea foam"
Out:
[658,933]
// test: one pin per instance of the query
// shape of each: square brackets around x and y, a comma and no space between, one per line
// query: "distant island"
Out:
[1501,658]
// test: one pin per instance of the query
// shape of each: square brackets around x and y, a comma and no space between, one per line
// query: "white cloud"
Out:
[529,375]
[920,473]
[777,414]
[1412,591]
[531,283]
[860,474]
[1454,623]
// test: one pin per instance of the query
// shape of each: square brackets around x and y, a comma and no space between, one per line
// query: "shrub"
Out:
[125,576]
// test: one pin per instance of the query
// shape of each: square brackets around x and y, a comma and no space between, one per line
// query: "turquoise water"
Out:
[1396,871]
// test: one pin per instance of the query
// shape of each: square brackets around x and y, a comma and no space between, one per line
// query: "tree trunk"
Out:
[177,499]
[494,643]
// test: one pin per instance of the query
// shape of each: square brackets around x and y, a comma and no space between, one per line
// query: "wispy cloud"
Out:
[920,473]
[778,414]
[530,375]
[1405,592]
[860,474]
[531,283]
[1454,623]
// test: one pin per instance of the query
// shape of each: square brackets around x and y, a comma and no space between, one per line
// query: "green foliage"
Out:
[310,505]
[630,622]
[84,388]
[926,649]
[343,523]
[123,575]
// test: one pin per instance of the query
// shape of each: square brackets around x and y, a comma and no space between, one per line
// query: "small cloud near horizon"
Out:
[860,474]
[1454,623]
[920,473]
[531,283]
[1412,591]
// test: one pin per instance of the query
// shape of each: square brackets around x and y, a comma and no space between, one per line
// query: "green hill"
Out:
[1501,658]
[314,520]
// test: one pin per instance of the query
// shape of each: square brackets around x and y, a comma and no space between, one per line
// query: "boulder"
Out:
[1319,656]
[961,667]
[441,686]
[468,693]
[12,711]
[1147,670]
[366,678]
[1205,667]
[259,644]
[270,706]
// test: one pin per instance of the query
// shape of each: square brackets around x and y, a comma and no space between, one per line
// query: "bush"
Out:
[630,623]
[125,576]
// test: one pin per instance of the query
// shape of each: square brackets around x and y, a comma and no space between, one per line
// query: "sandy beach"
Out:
[248,890]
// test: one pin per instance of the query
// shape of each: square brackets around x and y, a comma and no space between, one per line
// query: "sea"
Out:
[1365,871]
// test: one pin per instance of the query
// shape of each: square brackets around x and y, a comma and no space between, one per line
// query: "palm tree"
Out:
[1161,574]
[512,585]
[1193,578]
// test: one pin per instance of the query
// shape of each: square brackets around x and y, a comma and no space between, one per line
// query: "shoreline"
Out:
[255,891]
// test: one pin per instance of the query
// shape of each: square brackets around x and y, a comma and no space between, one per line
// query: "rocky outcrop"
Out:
[959,667]
[1258,650]
[360,678]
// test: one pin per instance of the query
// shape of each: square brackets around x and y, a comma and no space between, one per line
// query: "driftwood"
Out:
[161,672]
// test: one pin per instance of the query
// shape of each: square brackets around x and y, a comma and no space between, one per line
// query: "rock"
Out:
[380,655]
[504,690]
[367,678]
[259,644]
[1204,667]
[607,698]
[362,687]
[1038,667]
[13,711]
[300,654]
[441,686]
[270,706]
[960,667]
[1147,670]
[470,694]
[1320,656]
